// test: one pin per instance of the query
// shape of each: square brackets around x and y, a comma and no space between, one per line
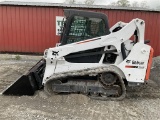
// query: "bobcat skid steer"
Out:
[91,59]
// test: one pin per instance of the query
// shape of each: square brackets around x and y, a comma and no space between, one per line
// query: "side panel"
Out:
[135,65]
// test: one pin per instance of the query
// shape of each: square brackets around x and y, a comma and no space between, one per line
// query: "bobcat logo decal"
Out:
[55,53]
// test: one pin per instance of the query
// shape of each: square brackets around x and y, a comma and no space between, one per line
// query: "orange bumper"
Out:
[149,64]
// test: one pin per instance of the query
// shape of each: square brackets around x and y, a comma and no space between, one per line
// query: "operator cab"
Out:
[81,25]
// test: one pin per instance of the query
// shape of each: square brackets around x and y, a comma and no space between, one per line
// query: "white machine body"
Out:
[133,68]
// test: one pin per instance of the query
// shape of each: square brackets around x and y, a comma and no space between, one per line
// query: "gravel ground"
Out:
[141,103]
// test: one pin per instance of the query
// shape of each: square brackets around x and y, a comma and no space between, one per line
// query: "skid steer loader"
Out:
[91,59]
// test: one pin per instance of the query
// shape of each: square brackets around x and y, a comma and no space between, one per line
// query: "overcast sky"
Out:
[151,3]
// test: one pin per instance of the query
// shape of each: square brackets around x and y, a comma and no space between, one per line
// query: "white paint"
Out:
[55,63]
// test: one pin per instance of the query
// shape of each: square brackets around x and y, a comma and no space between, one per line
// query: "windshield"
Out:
[82,28]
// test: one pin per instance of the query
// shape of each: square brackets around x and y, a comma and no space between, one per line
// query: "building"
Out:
[32,27]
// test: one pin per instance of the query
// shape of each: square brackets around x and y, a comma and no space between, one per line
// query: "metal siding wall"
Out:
[28,29]
[157,48]
[1,30]
[33,29]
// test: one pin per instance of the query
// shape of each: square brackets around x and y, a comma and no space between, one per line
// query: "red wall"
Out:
[32,29]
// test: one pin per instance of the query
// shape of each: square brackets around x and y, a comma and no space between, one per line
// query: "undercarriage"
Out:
[106,85]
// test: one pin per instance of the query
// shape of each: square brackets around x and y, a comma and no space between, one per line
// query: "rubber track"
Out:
[87,71]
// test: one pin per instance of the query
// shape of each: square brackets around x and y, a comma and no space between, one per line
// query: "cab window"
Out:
[83,28]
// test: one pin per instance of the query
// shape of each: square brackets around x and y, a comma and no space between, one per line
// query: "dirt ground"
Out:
[140,103]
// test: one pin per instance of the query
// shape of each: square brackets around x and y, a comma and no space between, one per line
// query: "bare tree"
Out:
[143,4]
[135,4]
[123,3]
[89,2]
[79,2]
[113,4]
[70,1]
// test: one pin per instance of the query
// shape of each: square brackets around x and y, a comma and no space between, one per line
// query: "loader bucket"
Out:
[28,83]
